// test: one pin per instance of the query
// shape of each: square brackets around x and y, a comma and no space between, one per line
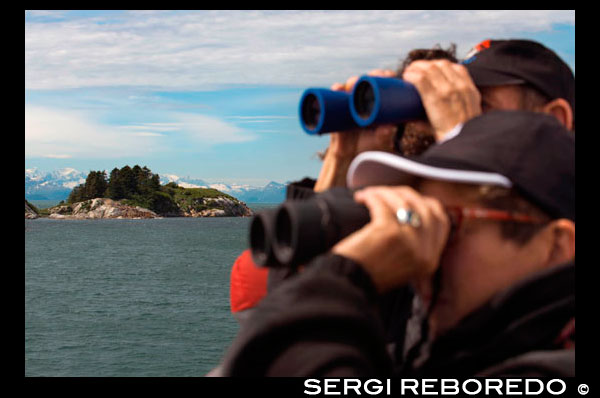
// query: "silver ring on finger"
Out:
[406,216]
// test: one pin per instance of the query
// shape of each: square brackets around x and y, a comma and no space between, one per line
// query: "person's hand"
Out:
[447,91]
[344,146]
[394,253]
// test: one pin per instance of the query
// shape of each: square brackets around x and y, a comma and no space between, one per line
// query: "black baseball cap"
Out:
[528,151]
[500,62]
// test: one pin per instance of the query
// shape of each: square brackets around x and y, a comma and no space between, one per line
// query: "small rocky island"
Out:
[108,208]
[135,193]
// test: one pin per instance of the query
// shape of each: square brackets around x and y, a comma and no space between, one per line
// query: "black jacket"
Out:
[326,322]
[516,333]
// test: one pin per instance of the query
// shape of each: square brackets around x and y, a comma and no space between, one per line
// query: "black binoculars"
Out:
[298,230]
[373,101]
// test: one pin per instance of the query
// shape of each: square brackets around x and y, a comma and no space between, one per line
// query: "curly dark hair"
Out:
[410,140]
[437,52]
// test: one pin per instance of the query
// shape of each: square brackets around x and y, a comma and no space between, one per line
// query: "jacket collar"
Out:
[528,316]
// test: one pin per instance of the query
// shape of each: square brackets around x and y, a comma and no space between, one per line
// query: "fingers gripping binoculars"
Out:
[298,230]
[373,101]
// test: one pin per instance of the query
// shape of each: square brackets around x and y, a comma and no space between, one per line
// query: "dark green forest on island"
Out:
[138,186]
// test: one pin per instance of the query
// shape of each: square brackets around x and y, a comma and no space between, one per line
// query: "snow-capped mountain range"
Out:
[57,185]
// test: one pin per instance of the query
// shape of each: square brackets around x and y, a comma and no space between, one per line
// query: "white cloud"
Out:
[54,133]
[147,134]
[259,118]
[251,120]
[60,134]
[57,156]
[202,49]
[155,128]
[206,130]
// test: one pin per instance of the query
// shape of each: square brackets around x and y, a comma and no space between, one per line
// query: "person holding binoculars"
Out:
[481,225]
[434,96]
[507,74]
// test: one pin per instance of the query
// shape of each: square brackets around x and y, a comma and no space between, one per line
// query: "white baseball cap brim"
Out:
[383,168]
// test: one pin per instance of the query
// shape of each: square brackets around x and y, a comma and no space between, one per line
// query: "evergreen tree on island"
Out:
[94,187]
[137,185]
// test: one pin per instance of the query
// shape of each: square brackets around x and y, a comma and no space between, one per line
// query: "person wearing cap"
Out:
[482,225]
[523,74]
[511,74]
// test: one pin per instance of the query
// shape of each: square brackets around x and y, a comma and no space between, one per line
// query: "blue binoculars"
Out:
[373,101]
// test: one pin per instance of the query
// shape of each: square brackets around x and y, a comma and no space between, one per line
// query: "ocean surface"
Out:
[129,298]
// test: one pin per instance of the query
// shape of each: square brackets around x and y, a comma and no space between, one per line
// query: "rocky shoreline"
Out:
[30,213]
[104,208]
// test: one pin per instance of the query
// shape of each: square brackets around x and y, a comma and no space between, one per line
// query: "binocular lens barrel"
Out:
[261,237]
[304,229]
[385,100]
[325,111]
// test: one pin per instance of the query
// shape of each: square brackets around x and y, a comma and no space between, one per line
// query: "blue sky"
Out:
[214,94]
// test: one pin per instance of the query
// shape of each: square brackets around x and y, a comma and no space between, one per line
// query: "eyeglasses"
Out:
[457,214]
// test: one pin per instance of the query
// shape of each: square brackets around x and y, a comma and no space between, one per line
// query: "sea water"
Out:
[129,297]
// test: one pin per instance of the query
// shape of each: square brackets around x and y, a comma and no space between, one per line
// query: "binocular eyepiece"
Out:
[373,101]
[296,231]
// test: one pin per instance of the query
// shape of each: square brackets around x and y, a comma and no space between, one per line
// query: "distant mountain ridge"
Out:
[57,185]
[273,192]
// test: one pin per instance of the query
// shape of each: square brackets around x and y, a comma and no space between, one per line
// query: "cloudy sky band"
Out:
[188,49]
[213,94]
